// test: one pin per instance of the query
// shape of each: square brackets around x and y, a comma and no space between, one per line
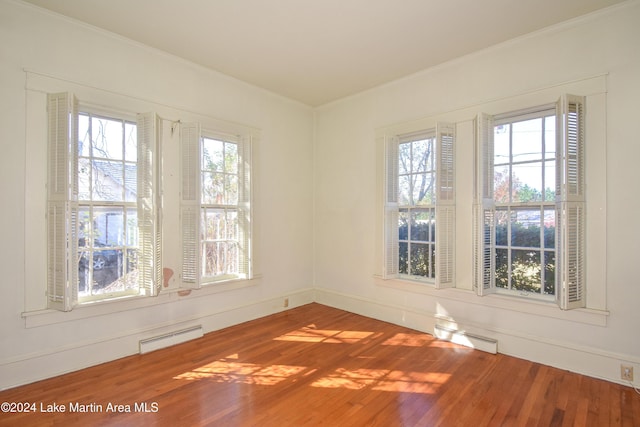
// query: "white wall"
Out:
[601,48]
[101,68]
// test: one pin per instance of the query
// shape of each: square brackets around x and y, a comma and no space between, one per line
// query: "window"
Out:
[419,208]
[103,238]
[530,203]
[215,211]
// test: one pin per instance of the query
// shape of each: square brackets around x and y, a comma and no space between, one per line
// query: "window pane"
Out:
[501,185]
[84,179]
[420,259]
[404,158]
[131,228]
[525,270]
[231,157]
[423,189]
[403,225]
[212,188]
[550,137]
[502,268]
[212,155]
[422,225]
[403,265]
[404,190]
[108,226]
[550,181]
[501,136]
[108,181]
[549,228]
[527,140]
[231,189]
[422,156]
[502,227]
[130,142]
[212,254]
[549,273]
[527,182]
[232,225]
[130,182]
[525,228]
[84,135]
[213,225]
[108,137]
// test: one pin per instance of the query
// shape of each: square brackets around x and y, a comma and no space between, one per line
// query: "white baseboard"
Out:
[588,361]
[54,361]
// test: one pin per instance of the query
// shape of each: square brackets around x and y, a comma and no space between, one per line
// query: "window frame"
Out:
[444,206]
[192,205]
[570,288]
[63,203]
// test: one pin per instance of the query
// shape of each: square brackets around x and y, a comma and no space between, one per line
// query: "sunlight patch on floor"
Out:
[311,334]
[384,380]
[242,373]
[410,340]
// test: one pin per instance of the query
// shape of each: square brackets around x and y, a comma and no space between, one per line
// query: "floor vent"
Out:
[172,338]
[468,340]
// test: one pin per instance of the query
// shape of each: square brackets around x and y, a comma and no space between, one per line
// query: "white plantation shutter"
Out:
[62,206]
[570,203]
[244,206]
[390,247]
[149,204]
[484,209]
[190,203]
[445,206]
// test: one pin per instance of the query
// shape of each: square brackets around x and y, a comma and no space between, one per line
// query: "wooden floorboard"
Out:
[316,365]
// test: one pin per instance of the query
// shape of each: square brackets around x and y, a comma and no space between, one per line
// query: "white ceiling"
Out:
[319,51]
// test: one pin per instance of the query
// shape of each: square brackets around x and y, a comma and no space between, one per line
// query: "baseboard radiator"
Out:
[466,339]
[169,339]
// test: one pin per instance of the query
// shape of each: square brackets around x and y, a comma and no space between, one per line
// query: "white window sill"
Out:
[503,302]
[37,318]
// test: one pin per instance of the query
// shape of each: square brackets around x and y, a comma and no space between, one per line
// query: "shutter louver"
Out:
[445,206]
[190,203]
[244,207]
[390,247]
[62,207]
[570,203]
[149,198]
[484,209]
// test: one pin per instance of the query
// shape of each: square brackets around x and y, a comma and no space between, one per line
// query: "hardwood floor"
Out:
[316,365]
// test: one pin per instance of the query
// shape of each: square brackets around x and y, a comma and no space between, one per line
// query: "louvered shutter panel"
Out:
[391,250]
[570,203]
[445,206]
[149,198]
[244,206]
[62,206]
[484,209]
[190,203]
